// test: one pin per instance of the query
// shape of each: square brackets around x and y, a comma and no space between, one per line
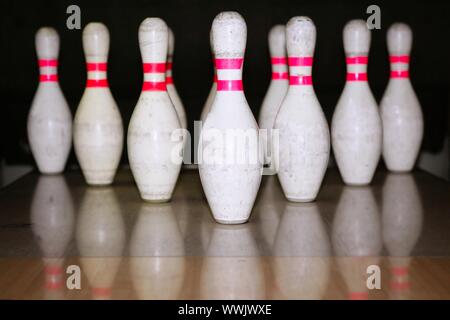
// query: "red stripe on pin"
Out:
[169,80]
[399,59]
[357,60]
[399,74]
[300,61]
[300,80]
[96,66]
[169,66]
[48,78]
[97,83]
[235,63]
[356,76]
[229,85]
[278,60]
[48,62]
[280,76]
[154,86]
[215,78]
[154,67]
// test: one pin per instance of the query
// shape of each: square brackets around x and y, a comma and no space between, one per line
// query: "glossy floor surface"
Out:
[396,231]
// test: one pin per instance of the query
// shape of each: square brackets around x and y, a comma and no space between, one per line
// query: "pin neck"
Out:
[357,68]
[279,68]
[48,70]
[169,73]
[399,66]
[300,71]
[229,74]
[154,76]
[97,74]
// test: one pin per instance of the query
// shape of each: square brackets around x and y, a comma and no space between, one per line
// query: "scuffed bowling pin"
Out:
[212,92]
[356,126]
[400,109]
[171,90]
[154,120]
[98,128]
[278,85]
[49,120]
[229,165]
[304,137]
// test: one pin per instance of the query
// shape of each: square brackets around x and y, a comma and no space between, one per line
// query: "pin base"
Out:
[300,200]
[231,221]
[155,201]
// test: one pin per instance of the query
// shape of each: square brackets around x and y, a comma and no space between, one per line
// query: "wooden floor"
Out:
[129,249]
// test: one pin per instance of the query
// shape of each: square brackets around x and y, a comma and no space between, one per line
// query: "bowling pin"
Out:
[230,169]
[400,109]
[154,120]
[356,131]
[212,92]
[304,137]
[278,85]
[49,120]
[171,90]
[98,128]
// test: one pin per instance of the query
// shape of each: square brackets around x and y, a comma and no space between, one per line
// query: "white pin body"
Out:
[154,120]
[356,125]
[277,88]
[98,127]
[400,109]
[171,89]
[304,137]
[230,187]
[49,124]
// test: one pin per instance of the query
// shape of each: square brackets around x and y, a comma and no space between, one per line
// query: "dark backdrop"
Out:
[191,21]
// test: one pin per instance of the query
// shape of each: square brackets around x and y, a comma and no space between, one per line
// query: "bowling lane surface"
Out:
[128,249]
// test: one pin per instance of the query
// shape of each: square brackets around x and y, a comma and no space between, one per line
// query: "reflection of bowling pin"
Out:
[400,109]
[98,129]
[301,253]
[154,120]
[157,259]
[212,92]
[229,167]
[171,90]
[100,239]
[278,85]
[402,218]
[232,267]
[356,237]
[49,120]
[304,138]
[52,220]
[356,126]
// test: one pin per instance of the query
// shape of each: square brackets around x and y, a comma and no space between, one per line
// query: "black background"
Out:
[191,21]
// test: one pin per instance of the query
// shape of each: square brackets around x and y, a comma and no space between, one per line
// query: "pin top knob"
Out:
[356,38]
[229,35]
[47,43]
[277,41]
[96,40]
[153,40]
[171,40]
[300,37]
[399,39]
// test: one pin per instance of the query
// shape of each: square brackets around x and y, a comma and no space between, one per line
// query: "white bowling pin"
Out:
[301,262]
[98,128]
[229,164]
[278,85]
[304,137]
[49,120]
[356,126]
[100,239]
[171,90]
[212,92]
[157,261]
[154,120]
[400,109]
